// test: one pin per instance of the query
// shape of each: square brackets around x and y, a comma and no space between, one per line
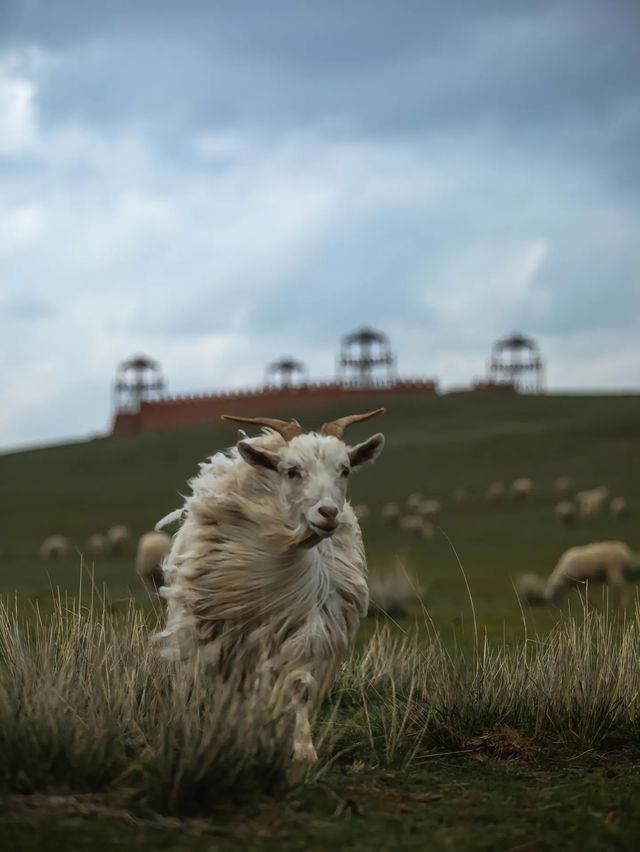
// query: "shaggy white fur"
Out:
[268,567]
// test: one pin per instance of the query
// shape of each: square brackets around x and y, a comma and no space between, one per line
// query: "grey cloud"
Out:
[27,308]
[538,74]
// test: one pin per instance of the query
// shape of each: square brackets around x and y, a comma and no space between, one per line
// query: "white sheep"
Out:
[609,562]
[592,501]
[563,485]
[55,547]
[361,512]
[390,514]
[118,539]
[394,593]
[495,492]
[268,568]
[429,509]
[97,544]
[414,501]
[566,512]
[619,508]
[522,488]
[150,554]
[421,527]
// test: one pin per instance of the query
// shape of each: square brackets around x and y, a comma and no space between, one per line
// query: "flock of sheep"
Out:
[394,592]
[611,562]
[114,543]
[151,550]
[418,515]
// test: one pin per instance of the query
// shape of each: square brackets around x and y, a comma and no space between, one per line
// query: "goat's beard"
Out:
[305,537]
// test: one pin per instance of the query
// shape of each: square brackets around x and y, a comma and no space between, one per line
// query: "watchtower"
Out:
[366,359]
[286,372]
[516,359]
[138,379]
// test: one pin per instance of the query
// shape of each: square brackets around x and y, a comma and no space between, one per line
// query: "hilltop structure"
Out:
[516,361]
[286,373]
[366,375]
[365,359]
[138,380]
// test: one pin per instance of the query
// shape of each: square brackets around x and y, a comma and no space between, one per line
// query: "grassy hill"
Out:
[434,445]
[502,736]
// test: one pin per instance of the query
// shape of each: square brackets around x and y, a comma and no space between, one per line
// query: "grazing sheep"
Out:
[118,539]
[609,562]
[495,492]
[394,593]
[152,549]
[268,570]
[592,501]
[421,527]
[521,489]
[361,512]
[414,501]
[390,514]
[619,508]
[97,544]
[566,512]
[563,485]
[55,547]
[429,509]
[460,496]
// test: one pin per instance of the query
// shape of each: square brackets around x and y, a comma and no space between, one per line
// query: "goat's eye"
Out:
[294,473]
[345,471]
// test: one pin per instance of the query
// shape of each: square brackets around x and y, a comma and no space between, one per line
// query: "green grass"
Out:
[434,445]
[484,799]
[535,743]
[454,803]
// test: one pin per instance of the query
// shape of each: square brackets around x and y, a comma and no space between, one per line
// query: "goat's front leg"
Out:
[303,699]
[298,690]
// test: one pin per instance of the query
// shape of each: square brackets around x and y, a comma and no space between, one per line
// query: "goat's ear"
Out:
[367,451]
[257,457]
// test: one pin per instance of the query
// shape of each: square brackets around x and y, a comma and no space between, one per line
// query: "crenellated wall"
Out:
[179,411]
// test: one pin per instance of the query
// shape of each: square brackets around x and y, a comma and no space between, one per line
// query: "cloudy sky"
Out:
[217,184]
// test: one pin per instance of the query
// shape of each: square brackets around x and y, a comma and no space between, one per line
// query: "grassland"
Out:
[532,745]
[514,785]
[433,446]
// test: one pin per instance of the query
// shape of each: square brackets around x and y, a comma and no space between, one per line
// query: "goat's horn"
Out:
[336,427]
[288,429]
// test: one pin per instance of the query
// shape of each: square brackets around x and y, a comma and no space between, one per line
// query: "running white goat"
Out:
[268,567]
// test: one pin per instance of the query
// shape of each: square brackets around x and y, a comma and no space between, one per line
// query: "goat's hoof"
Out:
[305,753]
[304,757]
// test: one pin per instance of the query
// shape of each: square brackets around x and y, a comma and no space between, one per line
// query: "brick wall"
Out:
[281,402]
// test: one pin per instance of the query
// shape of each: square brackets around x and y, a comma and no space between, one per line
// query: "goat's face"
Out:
[312,472]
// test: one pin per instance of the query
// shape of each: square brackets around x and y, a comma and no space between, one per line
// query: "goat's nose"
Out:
[328,512]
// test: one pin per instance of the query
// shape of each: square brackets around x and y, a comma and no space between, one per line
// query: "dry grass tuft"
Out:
[576,688]
[86,704]
[88,707]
